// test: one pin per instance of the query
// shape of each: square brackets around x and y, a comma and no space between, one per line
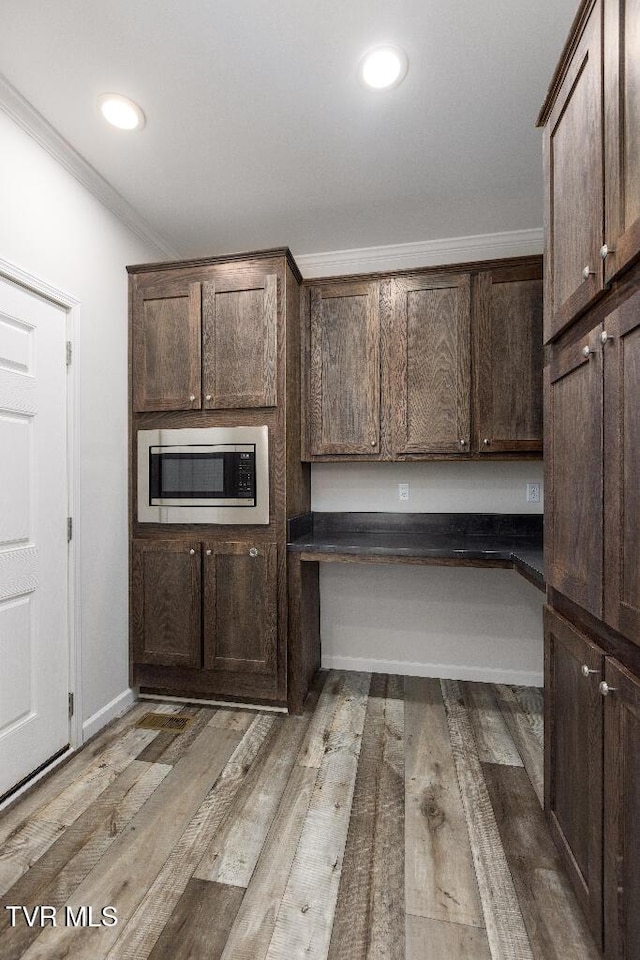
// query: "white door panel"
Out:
[34,651]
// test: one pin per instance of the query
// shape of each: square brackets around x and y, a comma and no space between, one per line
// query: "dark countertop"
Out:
[463,537]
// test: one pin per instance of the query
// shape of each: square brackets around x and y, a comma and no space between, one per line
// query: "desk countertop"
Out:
[459,537]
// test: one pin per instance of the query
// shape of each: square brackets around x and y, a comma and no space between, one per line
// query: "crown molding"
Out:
[32,122]
[427,253]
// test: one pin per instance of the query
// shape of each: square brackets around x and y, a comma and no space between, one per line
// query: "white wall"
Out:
[53,228]
[466,623]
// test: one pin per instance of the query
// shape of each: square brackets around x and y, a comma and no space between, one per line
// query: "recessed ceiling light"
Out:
[121,112]
[384,67]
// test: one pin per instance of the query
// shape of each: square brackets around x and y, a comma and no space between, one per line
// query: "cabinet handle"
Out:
[208,552]
[462,443]
[192,552]
[604,336]
[585,670]
[208,396]
[605,689]
[192,398]
[587,351]
[486,442]
[373,443]
[605,251]
[587,272]
[253,551]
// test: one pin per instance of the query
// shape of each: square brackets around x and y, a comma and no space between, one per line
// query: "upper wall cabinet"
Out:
[388,365]
[206,345]
[592,160]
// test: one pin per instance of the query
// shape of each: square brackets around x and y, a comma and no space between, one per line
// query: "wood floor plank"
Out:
[315,742]
[305,916]
[229,719]
[493,740]
[107,765]
[370,919]
[506,931]
[438,940]
[199,925]
[531,699]
[440,876]
[528,744]
[232,855]
[140,935]
[555,923]
[133,862]
[25,847]
[55,877]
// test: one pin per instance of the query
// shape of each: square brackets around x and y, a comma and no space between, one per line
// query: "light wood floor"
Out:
[396,818]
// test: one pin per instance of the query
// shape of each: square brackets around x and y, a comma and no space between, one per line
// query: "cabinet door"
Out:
[573,758]
[240,607]
[430,363]
[574,184]
[344,369]
[166,347]
[622,468]
[240,325]
[573,472]
[166,599]
[621,821]
[622,144]
[508,352]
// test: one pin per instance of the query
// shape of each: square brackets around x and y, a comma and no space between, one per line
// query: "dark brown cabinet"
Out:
[436,364]
[592,780]
[344,369]
[240,606]
[166,608]
[429,347]
[592,160]
[508,360]
[209,345]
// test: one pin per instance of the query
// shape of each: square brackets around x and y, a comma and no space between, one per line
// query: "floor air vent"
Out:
[165,721]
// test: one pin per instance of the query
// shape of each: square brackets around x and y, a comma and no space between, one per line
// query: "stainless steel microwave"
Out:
[204,475]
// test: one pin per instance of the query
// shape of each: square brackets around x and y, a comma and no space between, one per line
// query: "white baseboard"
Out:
[424,253]
[109,712]
[443,671]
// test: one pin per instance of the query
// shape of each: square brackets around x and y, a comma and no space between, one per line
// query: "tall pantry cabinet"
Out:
[216,343]
[591,122]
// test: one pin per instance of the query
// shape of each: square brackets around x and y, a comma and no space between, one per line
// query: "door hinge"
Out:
[69,352]
[69,528]
[71,704]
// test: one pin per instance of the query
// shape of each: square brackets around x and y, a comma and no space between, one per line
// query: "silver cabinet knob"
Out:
[587,272]
[586,351]
[462,442]
[192,552]
[586,671]
[208,552]
[192,397]
[373,443]
[208,396]
[605,251]
[604,336]
[253,551]
[486,442]
[605,689]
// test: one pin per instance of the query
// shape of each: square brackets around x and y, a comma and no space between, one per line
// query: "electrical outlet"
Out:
[403,491]
[533,493]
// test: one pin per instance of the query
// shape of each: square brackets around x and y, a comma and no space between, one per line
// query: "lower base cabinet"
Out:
[592,781]
[209,606]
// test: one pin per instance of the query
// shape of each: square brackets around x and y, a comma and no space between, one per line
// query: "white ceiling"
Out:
[259,134]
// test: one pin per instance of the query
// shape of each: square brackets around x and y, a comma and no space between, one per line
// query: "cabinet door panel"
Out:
[240,324]
[240,607]
[166,603]
[622,144]
[622,459]
[166,348]
[344,415]
[508,369]
[622,823]
[574,480]
[573,758]
[431,364]
[574,178]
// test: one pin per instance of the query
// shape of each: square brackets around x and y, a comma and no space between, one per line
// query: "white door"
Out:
[34,641]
